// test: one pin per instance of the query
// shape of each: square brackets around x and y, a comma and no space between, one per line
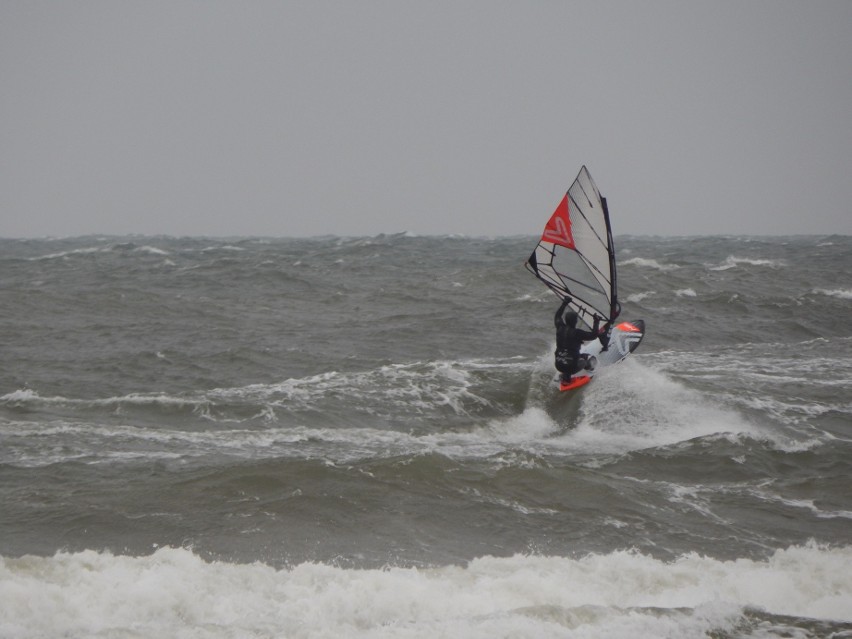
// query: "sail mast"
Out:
[615,307]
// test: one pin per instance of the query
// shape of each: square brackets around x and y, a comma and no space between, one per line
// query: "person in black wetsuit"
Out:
[569,339]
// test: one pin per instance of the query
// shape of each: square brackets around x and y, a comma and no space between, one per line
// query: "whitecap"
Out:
[174,592]
[843,294]
[648,263]
[632,407]
[638,297]
[733,262]
[64,254]
[153,250]
[806,504]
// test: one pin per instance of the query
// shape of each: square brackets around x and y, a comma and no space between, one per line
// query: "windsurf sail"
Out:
[575,257]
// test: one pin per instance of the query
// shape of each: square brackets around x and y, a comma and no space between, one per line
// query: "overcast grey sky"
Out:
[356,118]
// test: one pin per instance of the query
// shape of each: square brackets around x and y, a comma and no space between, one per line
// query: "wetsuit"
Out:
[569,339]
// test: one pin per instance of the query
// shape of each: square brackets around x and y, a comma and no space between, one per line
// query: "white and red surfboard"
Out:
[623,340]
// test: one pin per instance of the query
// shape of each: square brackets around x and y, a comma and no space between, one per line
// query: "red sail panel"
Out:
[558,228]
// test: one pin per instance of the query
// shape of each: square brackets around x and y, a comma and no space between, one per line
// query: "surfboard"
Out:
[575,258]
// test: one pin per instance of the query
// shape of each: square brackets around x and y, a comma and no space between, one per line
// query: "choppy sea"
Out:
[361,437]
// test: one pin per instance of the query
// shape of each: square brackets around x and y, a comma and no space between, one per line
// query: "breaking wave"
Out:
[733,262]
[173,592]
[648,263]
[843,294]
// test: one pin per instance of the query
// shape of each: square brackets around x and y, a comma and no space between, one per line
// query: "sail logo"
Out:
[558,228]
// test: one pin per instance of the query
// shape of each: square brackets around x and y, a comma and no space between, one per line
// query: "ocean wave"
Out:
[806,504]
[628,408]
[28,398]
[414,386]
[153,250]
[91,250]
[26,442]
[843,294]
[65,254]
[173,592]
[638,297]
[224,247]
[648,263]
[637,408]
[733,262]
[541,296]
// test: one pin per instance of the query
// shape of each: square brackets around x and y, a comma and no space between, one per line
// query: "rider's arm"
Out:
[557,319]
[592,334]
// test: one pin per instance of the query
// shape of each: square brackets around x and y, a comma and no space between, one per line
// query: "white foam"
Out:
[792,412]
[19,396]
[633,407]
[28,396]
[153,250]
[622,594]
[732,262]
[539,297]
[685,292]
[224,247]
[628,407]
[843,294]
[532,425]
[648,263]
[94,444]
[638,297]
[653,413]
[764,492]
[417,386]
[766,373]
[64,254]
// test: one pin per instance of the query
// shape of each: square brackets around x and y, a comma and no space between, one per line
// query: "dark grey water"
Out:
[288,424]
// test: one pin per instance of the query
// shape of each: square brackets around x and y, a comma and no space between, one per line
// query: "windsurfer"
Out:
[569,339]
